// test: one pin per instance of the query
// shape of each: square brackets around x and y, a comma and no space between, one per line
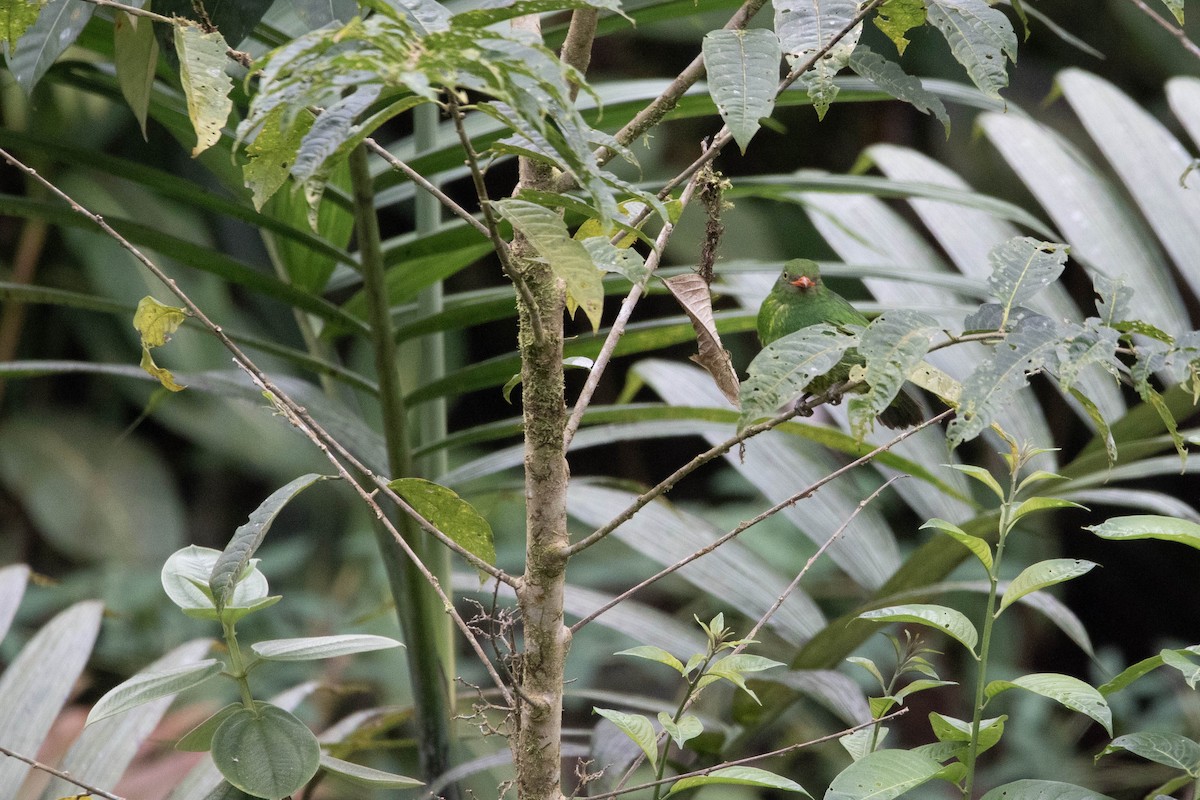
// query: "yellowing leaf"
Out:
[163,375]
[205,85]
[273,152]
[157,322]
[15,17]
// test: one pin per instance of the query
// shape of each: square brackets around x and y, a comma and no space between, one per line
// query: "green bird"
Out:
[800,299]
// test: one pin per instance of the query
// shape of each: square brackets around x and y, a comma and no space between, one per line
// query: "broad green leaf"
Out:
[947,620]
[1131,674]
[637,728]
[692,292]
[155,322]
[1035,504]
[1161,747]
[622,260]
[983,476]
[185,580]
[1186,666]
[15,17]
[805,27]
[147,686]
[739,776]
[1021,267]
[978,547]
[38,680]
[1063,689]
[781,371]
[859,743]
[199,738]
[267,752]
[366,776]
[979,37]
[920,685]
[882,775]
[427,16]
[233,564]
[889,77]
[1148,526]
[310,648]
[897,17]
[892,346]
[1042,574]
[450,514]
[58,25]
[688,727]
[273,152]
[567,258]
[743,73]
[1042,790]
[949,729]
[135,59]
[652,653]
[202,63]
[991,387]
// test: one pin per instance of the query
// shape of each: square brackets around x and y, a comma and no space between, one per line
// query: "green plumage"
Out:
[800,299]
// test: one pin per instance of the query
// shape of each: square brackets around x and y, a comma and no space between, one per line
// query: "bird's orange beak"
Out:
[804,282]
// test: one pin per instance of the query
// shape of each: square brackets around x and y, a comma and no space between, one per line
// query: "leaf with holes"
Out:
[206,87]
[743,73]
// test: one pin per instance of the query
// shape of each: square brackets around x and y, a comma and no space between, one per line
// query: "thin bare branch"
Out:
[1175,30]
[66,776]
[132,10]
[743,526]
[420,180]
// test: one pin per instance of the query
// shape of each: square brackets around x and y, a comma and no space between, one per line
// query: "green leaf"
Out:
[637,728]
[870,667]
[366,776]
[1063,689]
[889,77]
[273,152]
[310,648]
[567,258]
[1035,504]
[883,775]
[1148,526]
[892,346]
[979,37]
[450,514]
[1104,433]
[15,17]
[318,13]
[1042,790]
[805,27]
[743,73]
[1161,747]
[58,25]
[897,17]
[739,776]
[947,620]
[949,729]
[185,580]
[1186,666]
[267,752]
[206,87]
[1176,9]
[920,685]
[652,653]
[199,738]
[858,744]
[982,475]
[978,547]
[688,727]
[1021,267]
[232,565]
[147,686]
[1042,574]
[235,19]
[136,59]
[992,385]
[781,371]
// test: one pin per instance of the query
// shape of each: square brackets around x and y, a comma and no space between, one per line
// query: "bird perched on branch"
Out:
[800,299]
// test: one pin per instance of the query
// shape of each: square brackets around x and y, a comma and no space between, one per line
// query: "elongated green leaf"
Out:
[978,547]
[232,565]
[636,727]
[892,346]
[1035,504]
[205,85]
[1181,661]
[1042,574]
[739,776]
[889,77]
[58,25]
[688,727]
[13,580]
[567,258]
[1161,747]
[1063,689]
[16,17]
[979,37]
[366,776]
[450,514]
[653,653]
[37,683]
[994,382]
[1021,267]
[1042,790]
[136,60]
[267,752]
[898,17]
[316,647]
[147,686]
[1149,526]
[947,620]
[781,371]
[882,775]
[743,72]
